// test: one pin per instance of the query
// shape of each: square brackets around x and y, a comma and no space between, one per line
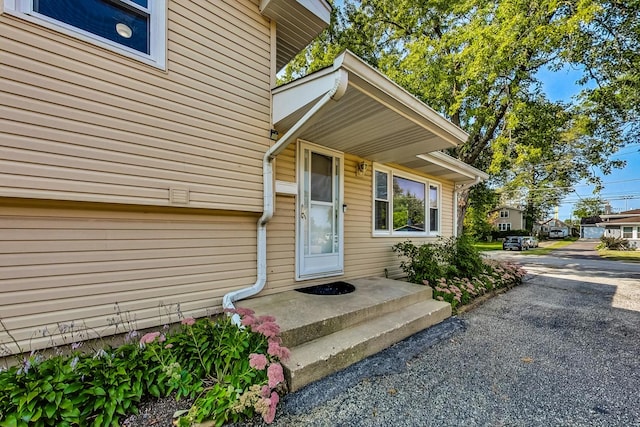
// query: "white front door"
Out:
[319,241]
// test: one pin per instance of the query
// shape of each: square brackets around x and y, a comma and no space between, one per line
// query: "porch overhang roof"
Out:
[298,22]
[370,116]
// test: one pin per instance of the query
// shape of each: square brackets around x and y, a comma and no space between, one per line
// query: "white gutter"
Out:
[336,92]
[457,188]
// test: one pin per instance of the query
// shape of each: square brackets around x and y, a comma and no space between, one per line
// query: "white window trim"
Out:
[402,174]
[505,211]
[157,33]
[504,226]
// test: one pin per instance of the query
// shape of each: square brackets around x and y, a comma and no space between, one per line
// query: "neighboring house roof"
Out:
[628,220]
[590,220]
[631,217]
[504,207]
[553,222]
[373,118]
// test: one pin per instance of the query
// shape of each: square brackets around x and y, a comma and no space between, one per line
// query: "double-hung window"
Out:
[504,214]
[627,232]
[404,204]
[135,28]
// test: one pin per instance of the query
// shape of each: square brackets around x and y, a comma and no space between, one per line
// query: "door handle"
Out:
[303,212]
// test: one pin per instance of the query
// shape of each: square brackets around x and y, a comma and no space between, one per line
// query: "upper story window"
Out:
[135,28]
[504,214]
[405,204]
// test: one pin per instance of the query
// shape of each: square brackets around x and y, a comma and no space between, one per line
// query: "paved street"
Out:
[563,349]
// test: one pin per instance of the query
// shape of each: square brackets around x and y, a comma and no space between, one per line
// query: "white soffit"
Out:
[298,22]
[375,118]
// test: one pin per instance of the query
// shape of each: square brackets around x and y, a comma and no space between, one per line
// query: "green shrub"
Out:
[449,258]
[614,244]
[455,270]
[232,372]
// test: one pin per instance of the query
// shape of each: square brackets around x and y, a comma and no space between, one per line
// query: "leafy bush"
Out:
[496,234]
[232,372]
[614,244]
[455,270]
[454,257]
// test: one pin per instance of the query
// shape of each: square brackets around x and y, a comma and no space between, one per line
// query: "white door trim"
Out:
[335,266]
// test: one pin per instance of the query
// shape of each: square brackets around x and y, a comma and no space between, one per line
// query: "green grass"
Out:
[549,247]
[627,256]
[488,246]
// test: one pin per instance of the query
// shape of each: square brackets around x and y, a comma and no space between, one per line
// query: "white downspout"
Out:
[335,94]
[455,202]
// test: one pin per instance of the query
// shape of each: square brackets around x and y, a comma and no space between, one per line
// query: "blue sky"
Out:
[622,186]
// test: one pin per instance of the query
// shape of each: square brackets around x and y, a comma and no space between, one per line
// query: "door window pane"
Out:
[321,177]
[408,205]
[321,230]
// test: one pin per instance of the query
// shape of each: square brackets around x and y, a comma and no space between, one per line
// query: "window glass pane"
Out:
[142,3]
[321,177]
[321,230]
[433,209]
[408,205]
[108,19]
[433,220]
[381,214]
[627,232]
[381,186]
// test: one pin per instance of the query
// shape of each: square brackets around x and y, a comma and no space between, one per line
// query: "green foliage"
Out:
[588,207]
[477,63]
[455,270]
[477,221]
[502,234]
[614,244]
[454,257]
[207,360]
[74,390]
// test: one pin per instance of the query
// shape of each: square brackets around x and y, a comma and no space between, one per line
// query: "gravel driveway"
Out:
[563,349]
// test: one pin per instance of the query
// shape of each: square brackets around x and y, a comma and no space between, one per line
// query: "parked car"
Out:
[556,234]
[515,242]
[532,242]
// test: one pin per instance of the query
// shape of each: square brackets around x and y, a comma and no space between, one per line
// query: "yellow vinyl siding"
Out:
[364,255]
[63,264]
[79,122]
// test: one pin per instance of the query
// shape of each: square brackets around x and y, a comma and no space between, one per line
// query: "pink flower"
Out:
[244,311]
[264,319]
[168,345]
[248,320]
[275,374]
[188,321]
[268,329]
[275,349]
[258,361]
[162,338]
[149,338]
[269,415]
[265,391]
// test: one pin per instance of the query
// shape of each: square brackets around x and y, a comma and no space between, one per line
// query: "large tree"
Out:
[471,60]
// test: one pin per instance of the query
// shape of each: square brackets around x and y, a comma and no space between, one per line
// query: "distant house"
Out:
[552,228]
[507,218]
[589,228]
[624,224]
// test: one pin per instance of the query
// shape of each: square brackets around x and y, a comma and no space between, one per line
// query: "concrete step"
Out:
[304,317]
[313,360]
